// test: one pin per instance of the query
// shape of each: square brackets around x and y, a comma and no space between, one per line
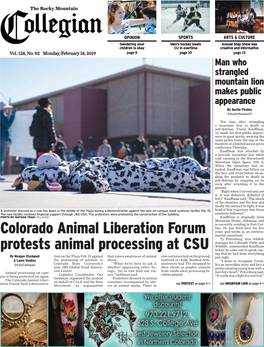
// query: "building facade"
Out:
[152,100]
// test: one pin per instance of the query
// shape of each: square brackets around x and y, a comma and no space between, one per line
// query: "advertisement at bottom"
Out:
[132,319]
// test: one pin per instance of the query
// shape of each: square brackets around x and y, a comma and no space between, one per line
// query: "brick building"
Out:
[156,101]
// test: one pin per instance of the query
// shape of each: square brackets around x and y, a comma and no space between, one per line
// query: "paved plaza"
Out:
[11,198]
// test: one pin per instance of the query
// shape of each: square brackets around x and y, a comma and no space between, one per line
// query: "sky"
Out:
[25,78]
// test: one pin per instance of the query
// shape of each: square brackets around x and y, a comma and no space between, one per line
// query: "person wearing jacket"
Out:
[171,148]
[140,148]
[78,150]
[60,147]
[5,133]
[45,135]
[198,149]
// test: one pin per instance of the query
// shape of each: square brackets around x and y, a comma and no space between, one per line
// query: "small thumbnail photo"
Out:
[192,17]
[131,17]
[239,17]
[24,319]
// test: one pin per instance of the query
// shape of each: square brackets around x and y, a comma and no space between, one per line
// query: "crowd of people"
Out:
[171,148]
[242,21]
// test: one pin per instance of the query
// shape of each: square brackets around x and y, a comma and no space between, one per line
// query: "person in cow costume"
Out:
[98,175]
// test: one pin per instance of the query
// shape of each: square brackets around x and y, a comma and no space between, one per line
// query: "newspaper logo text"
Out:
[12,24]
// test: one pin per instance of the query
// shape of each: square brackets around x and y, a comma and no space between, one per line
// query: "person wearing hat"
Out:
[44,135]
[5,133]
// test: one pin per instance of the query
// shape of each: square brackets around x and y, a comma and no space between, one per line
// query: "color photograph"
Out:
[131,17]
[239,17]
[192,17]
[142,129]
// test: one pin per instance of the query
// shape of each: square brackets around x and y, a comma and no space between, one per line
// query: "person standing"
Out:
[198,149]
[244,21]
[42,128]
[151,152]
[121,150]
[177,148]
[5,133]
[105,149]
[251,20]
[60,147]
[171,148]
[140,148]
[160,151]
[239,22]
[188,148]
[128,152]
[78,150]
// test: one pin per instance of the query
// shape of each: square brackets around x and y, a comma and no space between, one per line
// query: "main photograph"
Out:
[132,128]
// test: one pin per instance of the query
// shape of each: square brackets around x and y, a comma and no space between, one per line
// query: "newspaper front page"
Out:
[140,221]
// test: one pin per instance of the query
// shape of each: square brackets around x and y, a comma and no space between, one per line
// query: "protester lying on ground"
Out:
[98,175]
